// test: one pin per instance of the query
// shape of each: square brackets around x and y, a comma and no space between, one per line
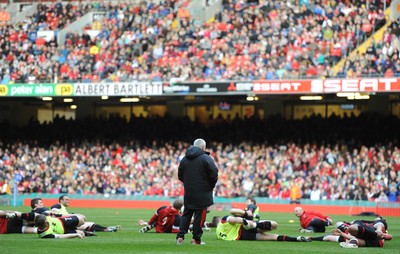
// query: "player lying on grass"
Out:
[60,209]
[311,221]
[231,228]
[63,227]
[50,227]
[10,224]
[359,233]
[166,219]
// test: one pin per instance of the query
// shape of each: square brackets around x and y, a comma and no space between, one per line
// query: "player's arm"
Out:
[142,223]
[320,215]
[55,209]
[234,220]
[154,218]
[237,212]
[148,225]
[9,214]
[238,220]
[338,232]
[78,234]
[247,214]
[15,214]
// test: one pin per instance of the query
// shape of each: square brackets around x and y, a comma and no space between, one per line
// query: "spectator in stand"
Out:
[285,32]
[393,193]
[127,169]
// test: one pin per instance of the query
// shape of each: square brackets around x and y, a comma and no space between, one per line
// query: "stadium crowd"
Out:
[245,40]
[315,158]
[158,41]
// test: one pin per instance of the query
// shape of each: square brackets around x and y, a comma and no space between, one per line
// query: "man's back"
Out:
[199,174]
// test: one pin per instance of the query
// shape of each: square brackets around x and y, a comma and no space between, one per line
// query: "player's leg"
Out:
[281,238]
[267,237]
[328,238]
[29,230]
[266,225]
[70,223]
[317,225]
[81,219]
[177,222]
[93,227]
[14,226]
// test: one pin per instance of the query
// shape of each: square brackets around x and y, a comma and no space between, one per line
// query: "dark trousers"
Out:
[317,225]
[198,221]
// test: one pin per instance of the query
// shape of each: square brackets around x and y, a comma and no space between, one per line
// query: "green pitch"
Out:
[129,240]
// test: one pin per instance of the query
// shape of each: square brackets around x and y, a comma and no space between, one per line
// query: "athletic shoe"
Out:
[88,233]
[179,240]
[303,230]
[353,243]
[194,242]
[112,228]
[387,236]
[205,228]
[303,239]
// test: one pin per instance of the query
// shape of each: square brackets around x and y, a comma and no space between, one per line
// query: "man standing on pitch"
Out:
[199,174]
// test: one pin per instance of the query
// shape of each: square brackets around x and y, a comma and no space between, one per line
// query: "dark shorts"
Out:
[248,234]
[177,220]
[372,242]
[70,223]
[14,226]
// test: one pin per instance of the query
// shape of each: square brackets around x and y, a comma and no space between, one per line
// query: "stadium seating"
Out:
[253,40]
[269,40]
[115,157]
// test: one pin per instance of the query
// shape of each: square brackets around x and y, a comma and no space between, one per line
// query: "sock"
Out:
[286,238]
[146,228]
[318,238]
[95,227]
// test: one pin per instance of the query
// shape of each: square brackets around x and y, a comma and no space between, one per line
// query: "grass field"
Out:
[129,240]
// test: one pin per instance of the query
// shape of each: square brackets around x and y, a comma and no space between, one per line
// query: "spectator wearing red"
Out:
[40,41]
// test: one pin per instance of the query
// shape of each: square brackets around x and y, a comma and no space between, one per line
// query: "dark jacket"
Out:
[199,175]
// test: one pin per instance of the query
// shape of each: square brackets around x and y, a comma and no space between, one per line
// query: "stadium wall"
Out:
[337,207]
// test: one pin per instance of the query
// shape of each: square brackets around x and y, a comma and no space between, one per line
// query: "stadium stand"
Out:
[247,40]
[316,155]
[253,40]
